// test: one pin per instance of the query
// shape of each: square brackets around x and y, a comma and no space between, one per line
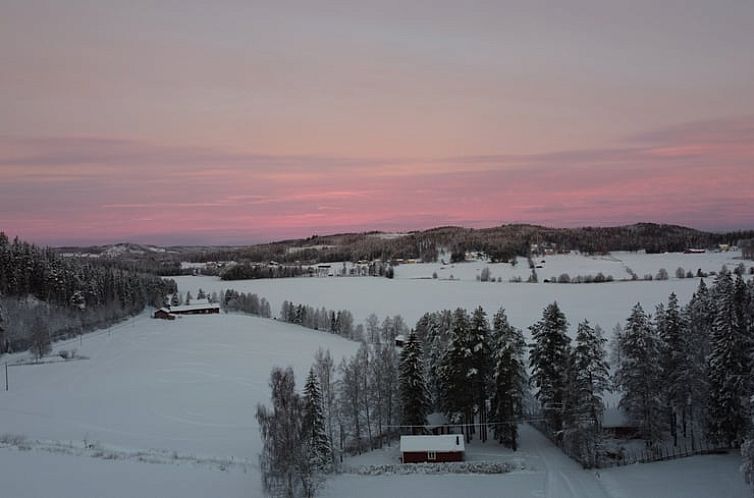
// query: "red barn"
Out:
[198,308]
[444,448]
[164,314]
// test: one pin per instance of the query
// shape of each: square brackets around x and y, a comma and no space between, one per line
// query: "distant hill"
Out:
[500,243]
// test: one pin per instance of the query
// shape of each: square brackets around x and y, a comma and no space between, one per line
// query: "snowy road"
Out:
[563,478]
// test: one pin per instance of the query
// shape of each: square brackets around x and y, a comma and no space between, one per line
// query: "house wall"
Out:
[421,456]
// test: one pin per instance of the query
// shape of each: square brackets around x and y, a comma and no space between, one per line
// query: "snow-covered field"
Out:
[181,393]
[165,408]
[413,292]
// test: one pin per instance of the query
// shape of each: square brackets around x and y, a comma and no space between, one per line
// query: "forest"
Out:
[681,373]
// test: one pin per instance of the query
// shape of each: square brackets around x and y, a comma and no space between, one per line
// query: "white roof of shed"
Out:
[443,443]
[193,307]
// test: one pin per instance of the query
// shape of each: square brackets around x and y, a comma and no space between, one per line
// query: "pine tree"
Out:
[590,381]
[480,341]
[674,362]
[458,372]
[639,376]
[728,369]
[414,395]
[549,361]
[316,440]
[698,320]
[508,379]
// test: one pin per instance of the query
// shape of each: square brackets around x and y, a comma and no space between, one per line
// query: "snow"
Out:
[187,386]
[545,472]
[194,307]
[442,443]
[413,292]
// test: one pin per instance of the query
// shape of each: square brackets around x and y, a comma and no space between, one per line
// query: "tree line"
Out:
[46,295]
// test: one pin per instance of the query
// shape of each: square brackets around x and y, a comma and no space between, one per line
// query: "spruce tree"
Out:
[479,376]
[698,319]
[314,426]
[414,395]
[458,372]
[728,373]
[590,381]
[508,379]
[674,362]
[549,361]
[639,376]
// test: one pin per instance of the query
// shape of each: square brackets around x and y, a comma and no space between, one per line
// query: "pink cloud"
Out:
[97,190]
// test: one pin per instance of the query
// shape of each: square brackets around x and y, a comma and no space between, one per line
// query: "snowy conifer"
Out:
[508,378]
[728,373]
[590,381]
[674,362]
[639,376]
[458,372]
[415,402]
[549,359]
[314,426]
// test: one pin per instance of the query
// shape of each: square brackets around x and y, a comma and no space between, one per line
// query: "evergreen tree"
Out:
[414,395]
[549,361]
[728,369]
[480,341]
[315,435]
[508,379]
[674,362]
[590,381]
[698,320]
[639,376]
[458,372]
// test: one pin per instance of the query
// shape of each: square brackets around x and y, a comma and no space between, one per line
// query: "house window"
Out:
[431,455]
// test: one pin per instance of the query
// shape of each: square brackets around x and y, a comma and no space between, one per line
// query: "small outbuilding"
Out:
[400,340]
[444,448]
[163,314]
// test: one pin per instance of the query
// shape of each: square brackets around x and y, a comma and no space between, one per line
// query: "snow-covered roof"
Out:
[193,307]
[443,443]
[400,337]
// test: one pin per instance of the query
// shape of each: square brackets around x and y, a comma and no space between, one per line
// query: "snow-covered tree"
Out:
[458,373]
[314,426]
[324,367]
[674,362]
[590,380]
[188,298]
[698,320]
[508,379]
[482,362]
[384,392]
[549,360]
[639,376]
[727,410]
[414,395]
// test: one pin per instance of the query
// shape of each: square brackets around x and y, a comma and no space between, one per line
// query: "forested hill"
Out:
[499,243]
[41,288]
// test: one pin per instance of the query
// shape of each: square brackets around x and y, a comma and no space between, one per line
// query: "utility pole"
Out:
[6,375]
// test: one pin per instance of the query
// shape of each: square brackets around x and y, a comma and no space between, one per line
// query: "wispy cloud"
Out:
[98,189]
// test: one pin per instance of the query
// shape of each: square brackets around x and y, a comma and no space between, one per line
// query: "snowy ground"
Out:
[165,408]
[182,393]
[413,291]
[548,473]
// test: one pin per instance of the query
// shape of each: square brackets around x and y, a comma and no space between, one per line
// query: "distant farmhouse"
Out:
[445,448]
[198,307]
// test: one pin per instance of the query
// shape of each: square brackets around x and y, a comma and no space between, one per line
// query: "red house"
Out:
[444,448]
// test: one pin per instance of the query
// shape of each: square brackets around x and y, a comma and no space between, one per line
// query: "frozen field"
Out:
[413,291]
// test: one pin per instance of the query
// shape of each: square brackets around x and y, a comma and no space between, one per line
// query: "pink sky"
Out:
[241,121]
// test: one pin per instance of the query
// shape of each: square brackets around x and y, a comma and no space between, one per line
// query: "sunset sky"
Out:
[236,121]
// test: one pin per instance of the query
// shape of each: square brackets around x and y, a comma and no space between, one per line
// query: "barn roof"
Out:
[444,443]
[193,307]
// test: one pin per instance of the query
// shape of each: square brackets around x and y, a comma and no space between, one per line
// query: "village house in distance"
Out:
[198,307]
